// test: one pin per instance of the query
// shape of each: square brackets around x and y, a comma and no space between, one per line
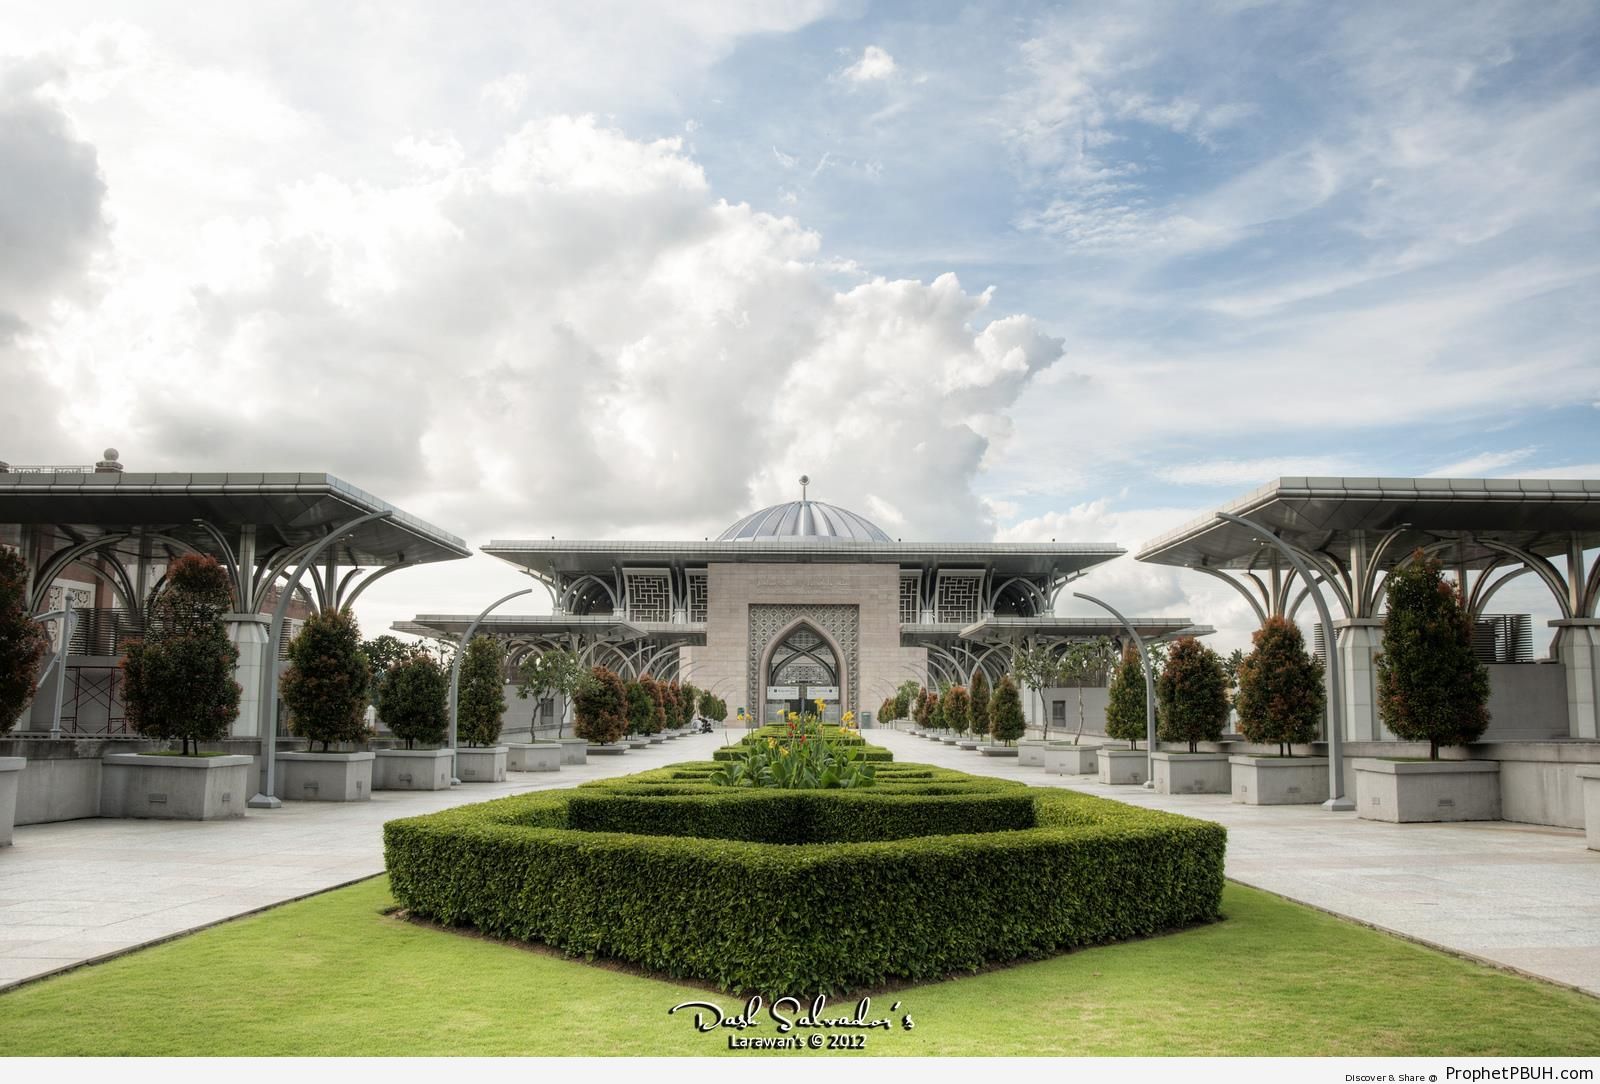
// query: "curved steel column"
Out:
[1336,799]
[1149,690]
[269,664]
[455,670]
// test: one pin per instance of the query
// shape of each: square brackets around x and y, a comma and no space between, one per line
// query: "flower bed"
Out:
[928,873]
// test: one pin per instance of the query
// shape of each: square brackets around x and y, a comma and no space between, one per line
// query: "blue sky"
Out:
[1016,271]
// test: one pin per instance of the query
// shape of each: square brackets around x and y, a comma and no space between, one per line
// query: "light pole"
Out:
[1149,690]
[455,671]
[1336,802]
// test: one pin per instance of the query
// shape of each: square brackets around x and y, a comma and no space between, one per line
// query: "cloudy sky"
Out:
[1016,271]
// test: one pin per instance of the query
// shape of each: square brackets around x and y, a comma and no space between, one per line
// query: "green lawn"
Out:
[334,975]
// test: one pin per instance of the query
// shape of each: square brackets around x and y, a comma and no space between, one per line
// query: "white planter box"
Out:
[533,757]
[324,777]
[657,739]
[1588,779]
[1408,791]
[481,765]
[636,742]
[1123,767]
[411,769]
[615,749]
[1062,759]
[573,750]
[951,740]
[174,788]
[998,750]
[10,778]
[1192,773]
[1279,780]
[966,744]
[1030,753]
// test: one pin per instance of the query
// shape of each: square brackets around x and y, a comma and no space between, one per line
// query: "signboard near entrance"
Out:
[823,692]
[783,692]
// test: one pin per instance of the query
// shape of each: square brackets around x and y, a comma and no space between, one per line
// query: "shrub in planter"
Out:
[1431,687]
[601,705]
[923,713]
[1281,700]
[658,700]
[641,707]
[979,693]
[481,698]
[23,641]
[1192,693]
[178,680]
[1125,706]
[957,707]
[713,707]
[1005,712]
[382,652]
[325,686]
[415,700]
[688,702]
[555,672]
[1085,664]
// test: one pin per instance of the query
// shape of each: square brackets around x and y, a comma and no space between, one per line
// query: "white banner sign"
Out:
[823,692]
[783,692]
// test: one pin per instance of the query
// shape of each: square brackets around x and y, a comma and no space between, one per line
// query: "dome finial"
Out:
[805,480]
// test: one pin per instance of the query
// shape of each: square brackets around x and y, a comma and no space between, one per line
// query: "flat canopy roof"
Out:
[1006,558]
[1539,515]
[287,509]
[1080,628]
[532,625]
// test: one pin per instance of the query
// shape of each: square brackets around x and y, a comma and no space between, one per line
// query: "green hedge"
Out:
[802,918]
[875,753]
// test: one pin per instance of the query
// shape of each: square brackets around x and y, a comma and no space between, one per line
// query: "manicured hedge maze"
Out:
[928,873]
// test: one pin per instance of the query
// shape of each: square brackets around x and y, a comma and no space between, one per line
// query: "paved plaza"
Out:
[76,891]
[1521,896]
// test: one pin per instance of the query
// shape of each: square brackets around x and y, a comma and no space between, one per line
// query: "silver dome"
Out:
[812,520]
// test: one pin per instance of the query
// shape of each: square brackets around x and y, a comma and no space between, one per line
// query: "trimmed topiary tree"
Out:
[601,705]
[1125,706]
[924,709]
[23,641]
[658,699]
[641,707]
[713,707]
[1192,693]
[936,710]
[979,691]
[178,680]
[688,702]
[382,652]
[1281,699]
[415,700]
[958,709]
[1431,687]
[325,686]
[481,698]
[1006,723]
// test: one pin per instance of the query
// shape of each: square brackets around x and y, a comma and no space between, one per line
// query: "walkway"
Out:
[1517,895]
[77,891]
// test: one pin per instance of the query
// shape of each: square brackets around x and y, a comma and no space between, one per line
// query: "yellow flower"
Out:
[772,743]
[822,705]
[784,751]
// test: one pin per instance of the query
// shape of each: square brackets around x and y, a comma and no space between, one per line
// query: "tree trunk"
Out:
[1077,739]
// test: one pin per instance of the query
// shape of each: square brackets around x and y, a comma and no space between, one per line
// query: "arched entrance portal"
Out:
[803,667]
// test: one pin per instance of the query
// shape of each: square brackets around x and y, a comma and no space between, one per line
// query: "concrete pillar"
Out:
[1579,652]
[248,633]
[1359,641]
